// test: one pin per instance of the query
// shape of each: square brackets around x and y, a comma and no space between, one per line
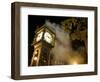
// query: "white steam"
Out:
[62,51]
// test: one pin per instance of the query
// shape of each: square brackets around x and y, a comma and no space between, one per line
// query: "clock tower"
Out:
[43,43]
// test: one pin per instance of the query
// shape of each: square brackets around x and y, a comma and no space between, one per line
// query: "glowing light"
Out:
[35,58]
[75,63]
[35,52]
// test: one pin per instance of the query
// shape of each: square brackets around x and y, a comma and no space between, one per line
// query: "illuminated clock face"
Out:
[39,36]
[48,37]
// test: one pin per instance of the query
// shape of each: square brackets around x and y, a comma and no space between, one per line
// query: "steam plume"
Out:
[62,51]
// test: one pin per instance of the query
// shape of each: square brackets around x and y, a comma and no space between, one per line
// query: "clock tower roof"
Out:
[45,27]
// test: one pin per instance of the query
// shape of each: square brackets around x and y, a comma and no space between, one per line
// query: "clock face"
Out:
[48,37]
[39,36]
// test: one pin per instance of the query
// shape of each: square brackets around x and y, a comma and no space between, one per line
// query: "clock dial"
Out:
[48,37]
[39,36]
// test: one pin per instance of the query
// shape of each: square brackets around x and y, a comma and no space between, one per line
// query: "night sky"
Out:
[33,22]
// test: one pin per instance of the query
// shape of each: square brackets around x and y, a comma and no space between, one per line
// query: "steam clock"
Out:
[43,43]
